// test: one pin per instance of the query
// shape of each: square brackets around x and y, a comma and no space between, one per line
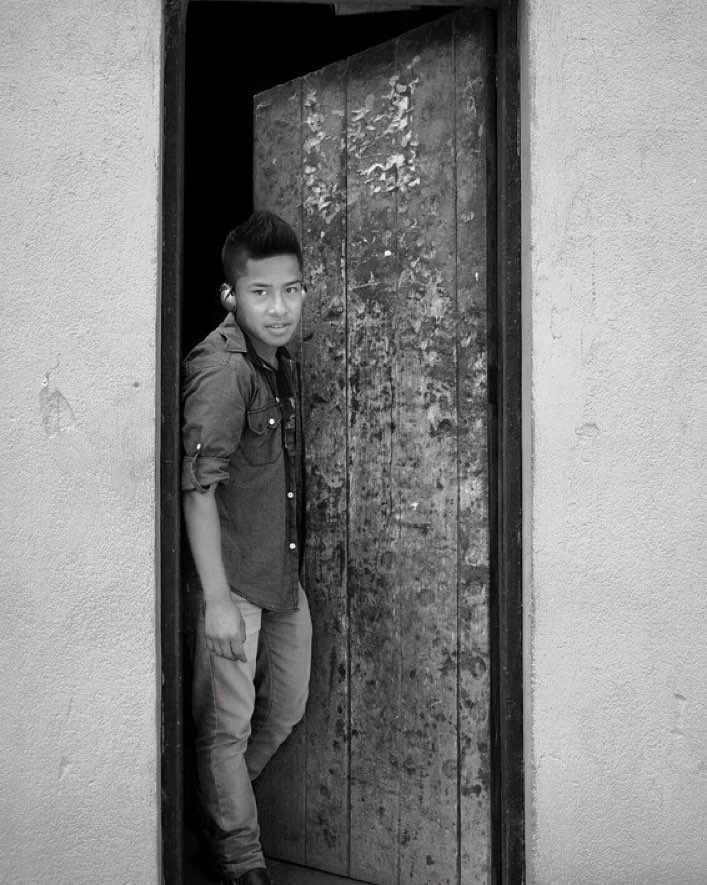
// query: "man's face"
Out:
[269,299]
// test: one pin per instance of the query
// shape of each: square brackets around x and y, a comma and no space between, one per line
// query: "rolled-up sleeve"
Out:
[214,411]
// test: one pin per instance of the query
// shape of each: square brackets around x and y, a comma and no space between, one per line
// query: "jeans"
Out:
[242,714]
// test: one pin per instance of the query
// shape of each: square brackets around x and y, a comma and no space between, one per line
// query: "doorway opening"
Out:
[235,51]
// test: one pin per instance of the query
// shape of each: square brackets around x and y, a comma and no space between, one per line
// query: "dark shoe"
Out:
[255,877]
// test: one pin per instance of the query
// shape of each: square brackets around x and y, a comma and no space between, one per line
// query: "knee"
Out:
[219,724]
[230,736]
[290,711]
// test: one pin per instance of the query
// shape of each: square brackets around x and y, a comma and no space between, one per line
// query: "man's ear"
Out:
[228,297]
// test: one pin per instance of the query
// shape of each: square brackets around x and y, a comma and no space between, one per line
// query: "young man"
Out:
[249,627]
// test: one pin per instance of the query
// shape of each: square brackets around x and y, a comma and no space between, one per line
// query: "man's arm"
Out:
[224,625]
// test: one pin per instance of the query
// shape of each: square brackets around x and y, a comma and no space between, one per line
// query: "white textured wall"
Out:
[79,244]
[615,127]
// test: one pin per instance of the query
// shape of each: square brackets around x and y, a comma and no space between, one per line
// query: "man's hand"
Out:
[225,630]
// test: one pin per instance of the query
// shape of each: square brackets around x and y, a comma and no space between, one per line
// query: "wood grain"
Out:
[425,473]
[376,740]
[324,370]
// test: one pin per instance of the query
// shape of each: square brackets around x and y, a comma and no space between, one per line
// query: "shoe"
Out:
[255,877]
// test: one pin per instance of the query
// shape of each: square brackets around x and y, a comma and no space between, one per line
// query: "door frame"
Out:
[505,479]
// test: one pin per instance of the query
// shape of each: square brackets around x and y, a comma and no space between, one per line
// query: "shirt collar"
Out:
[237,342]
[233,335]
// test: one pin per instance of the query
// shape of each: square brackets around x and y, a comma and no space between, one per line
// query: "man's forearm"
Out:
[204,533]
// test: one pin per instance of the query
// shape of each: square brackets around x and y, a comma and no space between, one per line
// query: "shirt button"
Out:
[271,421]
[293,546]
[290,494]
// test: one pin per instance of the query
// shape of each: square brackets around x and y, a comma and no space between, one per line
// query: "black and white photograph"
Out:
[354,360]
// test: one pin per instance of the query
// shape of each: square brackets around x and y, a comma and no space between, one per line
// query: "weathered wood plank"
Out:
[425,467]
[376,748]
[277,170]
[324,370]
[474,127]
[277,157]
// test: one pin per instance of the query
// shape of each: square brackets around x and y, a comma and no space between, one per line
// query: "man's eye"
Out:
[259,292]
[292,290]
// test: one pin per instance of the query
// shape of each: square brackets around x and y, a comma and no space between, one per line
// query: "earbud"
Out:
[228,297]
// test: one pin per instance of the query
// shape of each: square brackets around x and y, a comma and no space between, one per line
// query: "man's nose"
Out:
[278,305]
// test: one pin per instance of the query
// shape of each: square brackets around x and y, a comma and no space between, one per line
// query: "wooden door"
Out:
[383,164]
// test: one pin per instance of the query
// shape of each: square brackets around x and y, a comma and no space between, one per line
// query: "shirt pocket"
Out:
[262,441]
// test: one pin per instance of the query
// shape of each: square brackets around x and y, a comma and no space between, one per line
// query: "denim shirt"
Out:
[242,431]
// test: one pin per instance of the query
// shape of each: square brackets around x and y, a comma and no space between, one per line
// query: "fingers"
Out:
[231,649]
[236,647]
[237,650]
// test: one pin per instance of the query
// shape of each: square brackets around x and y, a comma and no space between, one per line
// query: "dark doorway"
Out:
[217,56]
[233,53]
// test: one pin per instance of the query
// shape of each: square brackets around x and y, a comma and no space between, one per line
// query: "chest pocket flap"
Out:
[262,441]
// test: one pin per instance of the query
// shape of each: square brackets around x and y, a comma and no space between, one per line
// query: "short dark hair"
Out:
[263,235]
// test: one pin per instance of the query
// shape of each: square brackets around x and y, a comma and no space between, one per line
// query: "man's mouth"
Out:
[277,326]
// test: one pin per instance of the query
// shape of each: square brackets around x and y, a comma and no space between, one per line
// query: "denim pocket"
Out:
[262,441]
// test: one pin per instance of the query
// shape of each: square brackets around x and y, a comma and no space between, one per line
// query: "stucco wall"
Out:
[80,95]
[615,127]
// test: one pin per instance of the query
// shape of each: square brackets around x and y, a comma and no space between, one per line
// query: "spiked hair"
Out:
[263,235]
